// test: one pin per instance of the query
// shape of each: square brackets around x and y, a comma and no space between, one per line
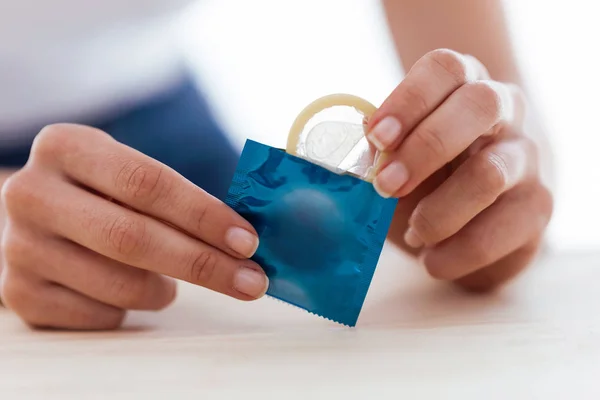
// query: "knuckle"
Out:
[20,192]
[480,250]
[483,100]
[14,249]
[415,99]
[142,180]
[202,268]
[476,67]
[422,221]
[57,139]
[129,291]
[199,215]
[491,177]
[431,138]
[51,141]
[18,297]
[15,192]
[126,235]
[451,63]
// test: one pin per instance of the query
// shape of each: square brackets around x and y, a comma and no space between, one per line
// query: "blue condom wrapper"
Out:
[321,233]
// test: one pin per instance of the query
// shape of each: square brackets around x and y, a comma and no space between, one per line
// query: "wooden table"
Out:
[538,338]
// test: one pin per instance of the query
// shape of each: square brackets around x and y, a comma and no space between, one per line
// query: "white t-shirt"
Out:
[71,58]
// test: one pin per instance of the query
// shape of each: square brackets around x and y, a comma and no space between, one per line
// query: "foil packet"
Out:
[321,226]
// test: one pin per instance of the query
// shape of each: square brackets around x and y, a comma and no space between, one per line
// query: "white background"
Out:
[263,61]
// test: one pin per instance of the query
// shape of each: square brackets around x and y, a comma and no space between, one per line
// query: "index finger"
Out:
[99,162]
[428,83]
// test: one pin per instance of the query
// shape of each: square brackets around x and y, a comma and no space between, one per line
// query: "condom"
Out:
[330,132]
[320,222]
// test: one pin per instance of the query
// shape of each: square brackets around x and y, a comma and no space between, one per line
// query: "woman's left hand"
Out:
[456,153]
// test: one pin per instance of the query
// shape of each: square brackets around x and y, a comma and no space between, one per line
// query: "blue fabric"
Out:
[321,234]
[175,128]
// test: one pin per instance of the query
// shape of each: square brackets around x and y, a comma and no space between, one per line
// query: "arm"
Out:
[90,236]
[462,205]
[470,27]
[477,28]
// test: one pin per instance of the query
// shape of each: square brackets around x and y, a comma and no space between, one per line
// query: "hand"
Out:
[456,154]
[4,175]
[95,228]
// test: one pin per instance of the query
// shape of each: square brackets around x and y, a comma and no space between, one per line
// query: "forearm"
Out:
[470,27]
[477,28]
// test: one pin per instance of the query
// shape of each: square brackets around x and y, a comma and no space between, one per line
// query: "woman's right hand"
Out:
[95,228]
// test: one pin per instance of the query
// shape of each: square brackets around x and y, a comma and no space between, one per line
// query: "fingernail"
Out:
[385,133]
[390,179]
[251,282]
[411,239]
[241,241]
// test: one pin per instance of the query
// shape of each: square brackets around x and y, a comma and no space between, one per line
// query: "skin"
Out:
[469,163]
[94,228]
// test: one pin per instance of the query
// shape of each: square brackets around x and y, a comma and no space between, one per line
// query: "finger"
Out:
[45,305]
[472,188]
[480,71]
[406,206]
[99,162]
[473,110]
[514,220]
[428,83]
[502,271]
[89,273]
[134,239]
